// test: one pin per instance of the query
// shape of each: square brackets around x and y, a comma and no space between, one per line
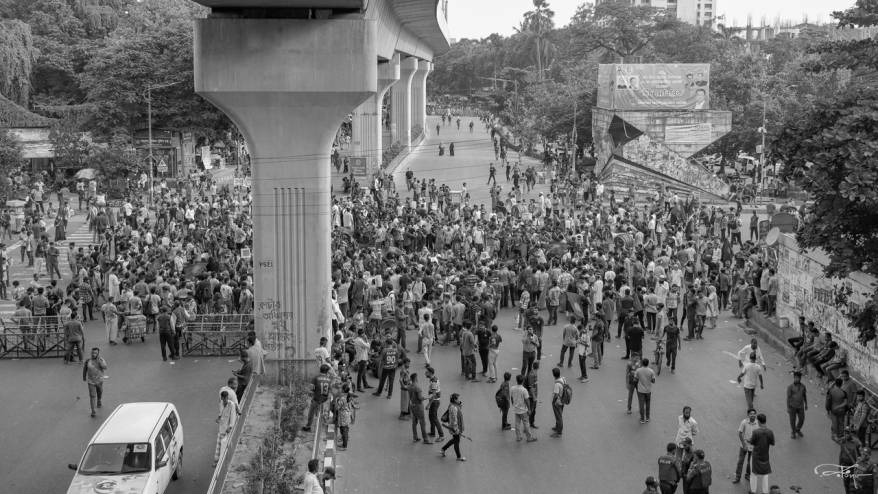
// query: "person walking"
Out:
[670,470]
[455,426]
[225,422]
[93,374]
[797,403]
[434,394]
[503,398]
[73,337]
[699,476]
[493,352]
[558,402]
[673,344]
[570,335]
[645,379]
[416,410]
[427,334]
[631,378]
[687,428]
[468,348]
[745,452]
[529,350]
[531,382]
[111,321]
[166,334]
[320,387]
[762,440]
[520,401]
[492,172]
[750,373]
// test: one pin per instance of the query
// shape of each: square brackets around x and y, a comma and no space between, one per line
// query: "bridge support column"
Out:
[402,103]
[367,122]
[288,84]
[419,95]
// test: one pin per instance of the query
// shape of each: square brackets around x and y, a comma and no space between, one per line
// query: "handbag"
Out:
[444,419]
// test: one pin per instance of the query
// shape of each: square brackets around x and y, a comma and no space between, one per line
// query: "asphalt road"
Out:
[603,449]
[45,410]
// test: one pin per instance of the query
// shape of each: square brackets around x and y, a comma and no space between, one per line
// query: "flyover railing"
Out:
[217,481]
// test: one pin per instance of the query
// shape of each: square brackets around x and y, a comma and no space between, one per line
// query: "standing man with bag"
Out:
[560,396]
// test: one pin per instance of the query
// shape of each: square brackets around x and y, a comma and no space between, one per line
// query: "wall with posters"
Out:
[683,86]
[805,291]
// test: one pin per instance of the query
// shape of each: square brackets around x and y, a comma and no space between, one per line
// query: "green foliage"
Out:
[17,56]
[72,149]
[619,28]
[390,153]
[11,159]
[831,150]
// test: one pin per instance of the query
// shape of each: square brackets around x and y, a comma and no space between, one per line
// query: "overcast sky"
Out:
[480,18]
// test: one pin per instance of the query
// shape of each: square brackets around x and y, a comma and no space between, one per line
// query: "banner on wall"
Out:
[654,86]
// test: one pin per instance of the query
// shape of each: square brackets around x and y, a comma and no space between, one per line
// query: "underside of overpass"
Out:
[287,72]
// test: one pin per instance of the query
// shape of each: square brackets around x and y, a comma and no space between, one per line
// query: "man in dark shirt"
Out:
[165,324]
[635,339]
[670,470]
[74,338]
[797,403]
[416,409]
[319,391]
[243,374]
[672,344]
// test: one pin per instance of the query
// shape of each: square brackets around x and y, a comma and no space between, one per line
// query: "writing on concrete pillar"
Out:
[277,335]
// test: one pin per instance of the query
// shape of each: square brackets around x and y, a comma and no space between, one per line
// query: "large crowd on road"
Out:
[659,268]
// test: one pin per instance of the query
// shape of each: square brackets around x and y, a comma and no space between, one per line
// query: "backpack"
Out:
[501,399]
[566,393]
[632,376]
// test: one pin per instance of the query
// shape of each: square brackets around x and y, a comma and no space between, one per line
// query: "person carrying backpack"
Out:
[503,399]
[562,394]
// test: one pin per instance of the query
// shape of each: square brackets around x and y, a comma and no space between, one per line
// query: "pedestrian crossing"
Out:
[24,274]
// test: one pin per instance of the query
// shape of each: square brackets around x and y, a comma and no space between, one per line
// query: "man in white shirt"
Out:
[321,353]
[687,427]
[311,483]
[744,354]
[225,422]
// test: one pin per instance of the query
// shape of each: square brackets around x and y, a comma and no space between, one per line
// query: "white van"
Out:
[137,450]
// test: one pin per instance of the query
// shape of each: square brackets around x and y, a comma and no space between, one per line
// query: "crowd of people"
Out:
[662,267]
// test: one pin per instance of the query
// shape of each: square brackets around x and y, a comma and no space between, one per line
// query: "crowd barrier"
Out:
[216,335]
[32,337]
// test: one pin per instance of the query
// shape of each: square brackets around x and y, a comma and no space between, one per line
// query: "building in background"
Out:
[696,12]
[31,131]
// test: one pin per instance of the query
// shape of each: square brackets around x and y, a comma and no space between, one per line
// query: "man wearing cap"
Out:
[797,403]
[651,486]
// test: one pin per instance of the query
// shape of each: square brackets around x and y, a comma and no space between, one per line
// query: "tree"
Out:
[831,152]
[11,159]
[618,27]
[71,147]
[153,46]
[537,24]
[17,56]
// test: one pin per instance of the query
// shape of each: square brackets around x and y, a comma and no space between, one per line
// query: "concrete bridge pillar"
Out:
[367,119]
[419,94]
[287,84]
[401,123]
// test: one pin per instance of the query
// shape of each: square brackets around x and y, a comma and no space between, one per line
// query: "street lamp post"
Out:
[149,157]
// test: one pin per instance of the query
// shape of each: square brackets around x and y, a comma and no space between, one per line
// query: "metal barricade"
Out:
[32,337]
[216,335]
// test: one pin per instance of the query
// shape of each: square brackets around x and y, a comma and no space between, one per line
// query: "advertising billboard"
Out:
[654,86]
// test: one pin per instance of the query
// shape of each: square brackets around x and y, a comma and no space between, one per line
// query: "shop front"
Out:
[167,152]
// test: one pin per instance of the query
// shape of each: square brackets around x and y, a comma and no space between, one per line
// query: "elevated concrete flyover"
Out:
[287,72]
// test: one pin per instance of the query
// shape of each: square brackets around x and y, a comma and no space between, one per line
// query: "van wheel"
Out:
[179,470]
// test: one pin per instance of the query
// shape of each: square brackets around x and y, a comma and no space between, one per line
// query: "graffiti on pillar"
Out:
[277,335]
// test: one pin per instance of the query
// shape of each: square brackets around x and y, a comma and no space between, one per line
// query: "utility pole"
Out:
[149,157]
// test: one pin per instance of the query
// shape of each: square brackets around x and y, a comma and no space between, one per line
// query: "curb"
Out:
[329,453]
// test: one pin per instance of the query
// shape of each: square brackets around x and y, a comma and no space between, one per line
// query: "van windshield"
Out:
[108,459]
